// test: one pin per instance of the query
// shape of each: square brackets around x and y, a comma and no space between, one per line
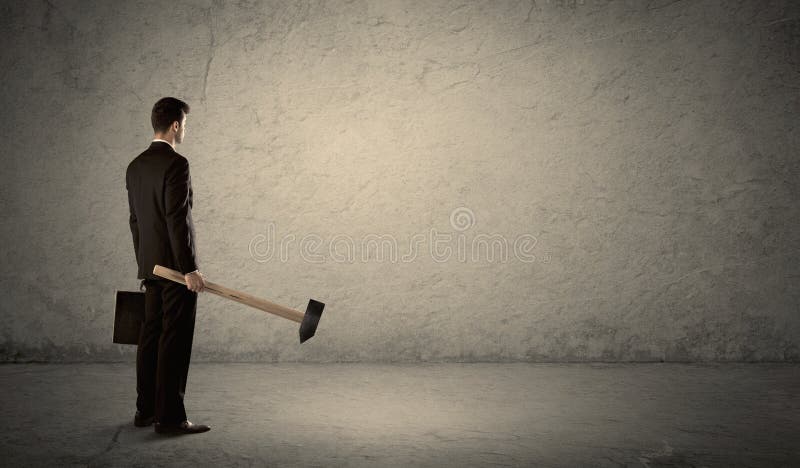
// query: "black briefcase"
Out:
[128,317]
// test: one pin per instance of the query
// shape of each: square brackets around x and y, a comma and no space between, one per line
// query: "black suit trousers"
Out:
[165,348]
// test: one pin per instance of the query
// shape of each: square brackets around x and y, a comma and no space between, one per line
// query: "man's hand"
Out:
[194,281]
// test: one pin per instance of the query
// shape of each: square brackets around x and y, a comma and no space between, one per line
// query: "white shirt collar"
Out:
[165,141]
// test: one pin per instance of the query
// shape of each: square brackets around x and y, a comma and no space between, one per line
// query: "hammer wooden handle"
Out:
[234,295]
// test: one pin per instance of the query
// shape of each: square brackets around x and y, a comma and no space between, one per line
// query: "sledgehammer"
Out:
[308,321]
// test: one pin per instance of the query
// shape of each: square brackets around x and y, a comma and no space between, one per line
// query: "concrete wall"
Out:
[642,155]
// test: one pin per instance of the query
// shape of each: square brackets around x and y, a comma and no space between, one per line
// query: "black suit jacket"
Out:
[160,199]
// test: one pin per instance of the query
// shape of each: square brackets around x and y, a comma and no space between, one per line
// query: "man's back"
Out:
[160,197]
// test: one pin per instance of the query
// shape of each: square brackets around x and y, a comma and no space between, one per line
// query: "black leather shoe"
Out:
[140,421]
[186,427]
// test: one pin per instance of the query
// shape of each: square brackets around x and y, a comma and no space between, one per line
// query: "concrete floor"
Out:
[328,415]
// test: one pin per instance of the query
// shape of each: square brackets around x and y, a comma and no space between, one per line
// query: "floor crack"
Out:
[111,444]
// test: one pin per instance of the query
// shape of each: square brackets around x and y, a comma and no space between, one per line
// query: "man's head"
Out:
[169,119]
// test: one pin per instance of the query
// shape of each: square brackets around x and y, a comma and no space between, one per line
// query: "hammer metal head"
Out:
[311,319]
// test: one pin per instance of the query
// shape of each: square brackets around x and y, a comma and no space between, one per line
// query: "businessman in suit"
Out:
[160,200]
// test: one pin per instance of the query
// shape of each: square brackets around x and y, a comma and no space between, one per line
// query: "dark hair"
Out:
[166,111]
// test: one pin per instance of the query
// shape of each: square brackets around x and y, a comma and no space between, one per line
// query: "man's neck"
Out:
[170,142]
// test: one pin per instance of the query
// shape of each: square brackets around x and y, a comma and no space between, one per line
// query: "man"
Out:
[160,200]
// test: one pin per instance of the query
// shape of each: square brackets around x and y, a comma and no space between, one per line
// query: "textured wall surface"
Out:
[633,166]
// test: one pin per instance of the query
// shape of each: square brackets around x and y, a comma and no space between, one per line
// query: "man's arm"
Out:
[132,220]
[179,214]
